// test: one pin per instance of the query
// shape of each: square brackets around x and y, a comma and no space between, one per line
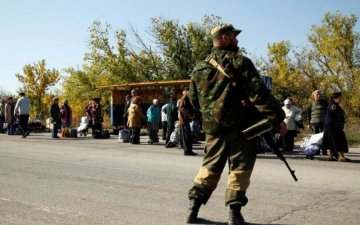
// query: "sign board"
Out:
[268,81]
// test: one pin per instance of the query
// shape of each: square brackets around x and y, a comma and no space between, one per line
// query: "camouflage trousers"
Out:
[232,147]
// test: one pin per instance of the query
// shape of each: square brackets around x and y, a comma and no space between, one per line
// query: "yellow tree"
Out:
[287,80]
[36,80]
[335,55]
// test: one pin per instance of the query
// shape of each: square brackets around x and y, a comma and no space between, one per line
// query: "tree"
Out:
[171,55]
[330,63]
[287,80]
[335,57]
[36,80]
[182,46]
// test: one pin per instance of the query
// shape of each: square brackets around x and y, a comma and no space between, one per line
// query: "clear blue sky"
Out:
[57,31]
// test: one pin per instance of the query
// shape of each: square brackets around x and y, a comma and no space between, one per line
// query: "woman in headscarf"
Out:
[334,136]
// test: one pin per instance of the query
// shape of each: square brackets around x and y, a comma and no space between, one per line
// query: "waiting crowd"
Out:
[323,117]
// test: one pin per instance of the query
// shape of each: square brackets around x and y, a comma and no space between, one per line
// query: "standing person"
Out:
[22,109]
[334,140]
[224,101]
[186,114]
[171,112]
[136,119]
[66,114]
[9,115]
[133,94]
[291,112]
[97,116]
[2,114]
[153,115]
[55,117]
[316,112]
[163,121]
[89,113]
[126,108]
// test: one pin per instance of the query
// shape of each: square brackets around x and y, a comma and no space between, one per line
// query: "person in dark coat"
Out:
[186,115]
[97,115]
[55,117]
[66,114]
[172,116]
[334,140]
[9,115]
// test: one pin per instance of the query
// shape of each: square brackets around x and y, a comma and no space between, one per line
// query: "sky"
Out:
[57,31]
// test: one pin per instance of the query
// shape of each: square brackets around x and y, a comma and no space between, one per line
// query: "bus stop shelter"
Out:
[148,91]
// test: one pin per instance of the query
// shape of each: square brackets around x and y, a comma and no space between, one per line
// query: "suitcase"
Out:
[73,133]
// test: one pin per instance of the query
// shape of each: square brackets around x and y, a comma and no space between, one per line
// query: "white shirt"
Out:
[290,114]
[163,115]
[22,106]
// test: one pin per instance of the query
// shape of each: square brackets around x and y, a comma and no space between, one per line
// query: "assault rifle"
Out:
[263,128]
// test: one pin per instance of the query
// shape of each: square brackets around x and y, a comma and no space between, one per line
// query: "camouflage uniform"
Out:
[228,106]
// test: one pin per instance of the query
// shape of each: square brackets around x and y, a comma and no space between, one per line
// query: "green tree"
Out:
[36,80]
[115,58]
[182,46]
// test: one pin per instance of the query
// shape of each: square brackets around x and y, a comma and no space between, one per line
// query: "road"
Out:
[103,182]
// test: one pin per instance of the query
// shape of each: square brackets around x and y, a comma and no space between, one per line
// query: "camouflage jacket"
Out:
[237,101]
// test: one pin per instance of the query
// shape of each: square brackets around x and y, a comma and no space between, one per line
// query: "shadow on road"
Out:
[205,221]
[296,155]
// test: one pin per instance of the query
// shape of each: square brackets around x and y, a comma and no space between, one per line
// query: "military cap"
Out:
[222,29]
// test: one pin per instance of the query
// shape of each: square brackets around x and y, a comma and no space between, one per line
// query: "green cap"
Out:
[222,29]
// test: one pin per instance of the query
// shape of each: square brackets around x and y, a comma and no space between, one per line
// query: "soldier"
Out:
[227,102]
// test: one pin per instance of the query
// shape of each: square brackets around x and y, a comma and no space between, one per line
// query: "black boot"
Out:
[235,217]
[193,211]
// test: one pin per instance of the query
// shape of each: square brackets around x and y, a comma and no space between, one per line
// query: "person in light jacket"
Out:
[292,113]
[22,110]
[136,119]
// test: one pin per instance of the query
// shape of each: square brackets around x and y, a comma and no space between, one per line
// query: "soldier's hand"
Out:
[282,129]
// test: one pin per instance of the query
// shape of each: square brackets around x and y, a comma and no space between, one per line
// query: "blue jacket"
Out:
[153,114]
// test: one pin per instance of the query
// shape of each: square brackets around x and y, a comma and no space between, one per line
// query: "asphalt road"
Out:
[87,181]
